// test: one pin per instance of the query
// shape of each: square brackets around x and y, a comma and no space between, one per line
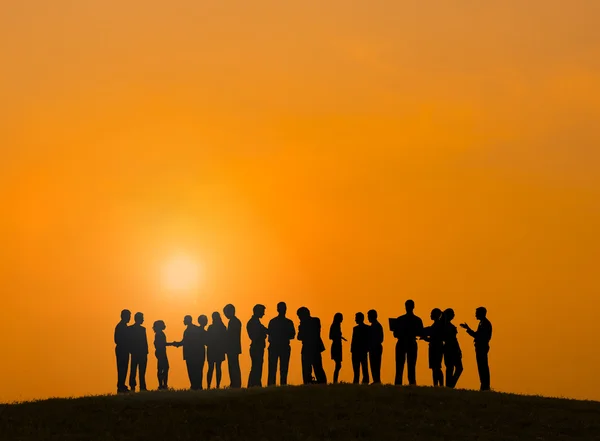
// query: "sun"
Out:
[181,273]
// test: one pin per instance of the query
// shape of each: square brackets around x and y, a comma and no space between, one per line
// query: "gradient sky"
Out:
[340,155]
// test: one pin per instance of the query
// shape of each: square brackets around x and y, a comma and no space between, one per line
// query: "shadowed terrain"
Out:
[342,412]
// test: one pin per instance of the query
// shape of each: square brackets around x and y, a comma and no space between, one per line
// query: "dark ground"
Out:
[343,412]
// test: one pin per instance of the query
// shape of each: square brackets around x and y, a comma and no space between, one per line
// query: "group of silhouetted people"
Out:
[216,342]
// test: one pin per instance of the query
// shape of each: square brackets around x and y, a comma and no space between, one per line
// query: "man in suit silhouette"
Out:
[258,336]
[408,327]
[309,333]
[359,347]
[482,338]
[281,331]
[194,352]
[233,346]
[122,346]
[375,345]
[139,352]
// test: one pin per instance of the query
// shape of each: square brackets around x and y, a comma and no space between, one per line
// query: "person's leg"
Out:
[122,368]
[483,367]
[166,374]
[336,372]
[143,365]
[133,372]
[375,361]
[211,369]
[191,374]
[218,364]
[306,367]
[400,358]
[458,369]
[364,362]
[272,367]
[412,363]
[355,368]
[284,365]
[252,376]
[235,375]
[320,374]
[260,358]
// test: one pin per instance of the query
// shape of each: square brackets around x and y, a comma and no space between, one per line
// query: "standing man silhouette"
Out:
[375,346]
[359,347]
[309,333]
[408,327]
[194,352]
[258,335]
[233,346]
[281,330]
[139,352]
[122,344]
[482,338]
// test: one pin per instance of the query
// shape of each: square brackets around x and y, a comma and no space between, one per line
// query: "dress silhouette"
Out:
[139,352]
[233,346]
[258,336]
[216,338]
[452,352]
[160,346]
[434,334]
[359,347]
[482,338]
[309,333]
[335,335]
[375,346]
[406,329]
[194,352]
[281,330]
[122,350]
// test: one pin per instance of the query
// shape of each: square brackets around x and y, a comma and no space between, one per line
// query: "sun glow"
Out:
[180,274]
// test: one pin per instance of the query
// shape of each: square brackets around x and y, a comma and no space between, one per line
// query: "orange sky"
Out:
[339,155]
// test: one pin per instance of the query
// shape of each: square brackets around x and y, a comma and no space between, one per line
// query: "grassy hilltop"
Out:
[343,412]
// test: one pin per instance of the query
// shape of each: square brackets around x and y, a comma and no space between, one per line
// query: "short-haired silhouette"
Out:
[281,330]
[359,347]
[309,333]
[139,352]
[452,352]
[216,342]
[406,329]
[160,351]
[258,336]
[482,338]
[434,334]
[335,335]
[194,352]
[233,347]
[122,353]
[375,345]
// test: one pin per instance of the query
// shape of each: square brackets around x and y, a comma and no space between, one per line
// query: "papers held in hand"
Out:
[393,324]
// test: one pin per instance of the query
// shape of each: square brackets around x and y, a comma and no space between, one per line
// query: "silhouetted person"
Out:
[194,352]
[122,344]
[452,352]
[359,347]
[258,336]
[217,342]
[335,335]
[160,346]
[434,334]
[233,346]
[407,328]
[202,348]
[375,345]
[309,333]
[139,352]
[281,330]
[482,338]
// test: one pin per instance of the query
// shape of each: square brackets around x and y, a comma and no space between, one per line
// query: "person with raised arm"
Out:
[482,337]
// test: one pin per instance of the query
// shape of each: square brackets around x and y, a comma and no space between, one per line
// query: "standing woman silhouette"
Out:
[452,352]
[216,343]
[335,335]
[160,346]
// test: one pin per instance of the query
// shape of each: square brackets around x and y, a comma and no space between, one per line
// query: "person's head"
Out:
[229,311]
[216,317]
[203,320]
[138,318]
[126,315]
[480,313]
[303,313]
[281,308]
[436,314]
[259,310]
[449,314]
[410,306]
[159,325]
[338,317]
[359,318]
[372,316]
[187,320]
